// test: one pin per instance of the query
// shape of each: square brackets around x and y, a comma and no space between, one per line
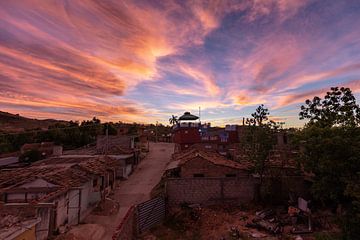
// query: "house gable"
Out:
[37,183]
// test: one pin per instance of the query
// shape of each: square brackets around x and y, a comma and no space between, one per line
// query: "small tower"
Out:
[187,131]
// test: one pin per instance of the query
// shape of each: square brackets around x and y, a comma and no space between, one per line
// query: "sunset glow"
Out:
[142,61]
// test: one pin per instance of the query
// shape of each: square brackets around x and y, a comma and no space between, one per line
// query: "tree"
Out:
[173,120]
[337,108]
[31,156]
[259,141]
[261,114]
[330,144]
[110,127]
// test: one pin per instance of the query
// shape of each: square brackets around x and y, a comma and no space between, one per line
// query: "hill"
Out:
[10,123]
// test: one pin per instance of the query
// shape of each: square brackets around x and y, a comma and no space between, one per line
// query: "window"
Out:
[285,139]
[198,175]
[95,182]
[230,175]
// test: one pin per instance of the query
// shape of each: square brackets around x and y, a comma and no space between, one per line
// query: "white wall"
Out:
[61,210]
[73,207]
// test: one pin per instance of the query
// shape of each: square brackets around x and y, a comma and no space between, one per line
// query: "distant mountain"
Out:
[15,123]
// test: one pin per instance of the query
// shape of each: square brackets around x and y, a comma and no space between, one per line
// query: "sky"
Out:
[143,61]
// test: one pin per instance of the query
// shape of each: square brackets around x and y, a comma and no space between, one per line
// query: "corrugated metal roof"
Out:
[173,164]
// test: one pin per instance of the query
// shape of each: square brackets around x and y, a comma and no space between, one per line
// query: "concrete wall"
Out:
[42,228]
[90,197]
[73,208]
[61,210]
[210,190]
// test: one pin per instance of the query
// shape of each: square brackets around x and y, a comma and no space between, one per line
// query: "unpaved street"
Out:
[134,190]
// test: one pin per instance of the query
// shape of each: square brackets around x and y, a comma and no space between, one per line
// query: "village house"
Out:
[70,187]
[204,177]
[200,163]
[47,149]
[120,144]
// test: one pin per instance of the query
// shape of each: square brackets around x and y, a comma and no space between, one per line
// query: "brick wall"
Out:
[126,230]
[210,190]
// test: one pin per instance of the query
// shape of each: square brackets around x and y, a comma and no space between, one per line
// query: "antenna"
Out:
[199,114]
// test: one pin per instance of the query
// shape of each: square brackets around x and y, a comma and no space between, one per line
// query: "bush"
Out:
[31,156]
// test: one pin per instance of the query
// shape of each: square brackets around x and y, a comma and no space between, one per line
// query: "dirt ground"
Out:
[215,223]
[132,191]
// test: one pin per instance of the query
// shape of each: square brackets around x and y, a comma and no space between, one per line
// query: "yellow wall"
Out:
[27,235]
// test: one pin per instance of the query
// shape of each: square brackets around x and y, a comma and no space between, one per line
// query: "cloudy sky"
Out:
[146,60]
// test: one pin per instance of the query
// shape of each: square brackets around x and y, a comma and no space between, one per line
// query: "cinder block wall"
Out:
[210,190]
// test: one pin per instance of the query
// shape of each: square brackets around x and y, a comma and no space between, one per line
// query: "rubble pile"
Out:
[235,223]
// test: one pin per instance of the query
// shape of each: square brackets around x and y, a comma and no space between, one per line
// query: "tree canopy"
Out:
[337,108]
[261,114]
[330,144]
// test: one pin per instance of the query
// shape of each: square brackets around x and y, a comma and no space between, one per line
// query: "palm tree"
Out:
[173,120]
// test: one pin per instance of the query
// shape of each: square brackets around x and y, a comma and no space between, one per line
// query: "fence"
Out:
[140,218]
[150,213]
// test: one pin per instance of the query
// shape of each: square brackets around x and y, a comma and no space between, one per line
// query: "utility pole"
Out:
[107,138]
[156,132]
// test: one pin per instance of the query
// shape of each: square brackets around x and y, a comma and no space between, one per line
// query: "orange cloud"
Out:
[288,99]
[206,80]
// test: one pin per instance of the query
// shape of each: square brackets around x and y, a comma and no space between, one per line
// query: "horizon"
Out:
[141,61]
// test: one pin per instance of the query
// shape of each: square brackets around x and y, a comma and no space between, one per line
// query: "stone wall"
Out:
[210,190]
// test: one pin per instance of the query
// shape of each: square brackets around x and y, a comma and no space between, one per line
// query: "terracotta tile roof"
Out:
[13,215]
[282,159]
[65,172]
[24,175]
[211,156]
[120,140]
[63,178]
[70,160]
[115,150]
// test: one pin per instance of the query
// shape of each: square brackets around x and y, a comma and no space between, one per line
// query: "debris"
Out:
[274,228]
[234,233]
[300,231]
[303,205]
[265,214]
[258,235]
[293,211]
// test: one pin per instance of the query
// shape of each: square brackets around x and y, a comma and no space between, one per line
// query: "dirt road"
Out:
[134,190]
